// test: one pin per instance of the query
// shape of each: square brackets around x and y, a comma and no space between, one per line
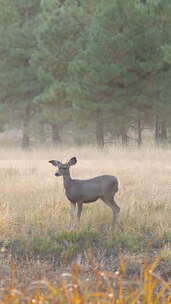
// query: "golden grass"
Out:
[32,196]
[105,287]
[33,204]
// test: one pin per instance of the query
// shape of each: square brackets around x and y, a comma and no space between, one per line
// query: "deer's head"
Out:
[63,169]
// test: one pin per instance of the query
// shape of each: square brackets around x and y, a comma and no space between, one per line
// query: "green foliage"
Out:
[57,34]
[65,246]
[126,242]
[119,70]
[19,83]
[102,66]
[76,236]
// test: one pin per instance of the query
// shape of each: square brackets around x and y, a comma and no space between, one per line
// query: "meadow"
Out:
[36,242]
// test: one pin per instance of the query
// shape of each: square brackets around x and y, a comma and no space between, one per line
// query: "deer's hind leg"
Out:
[79,210]
[109,201]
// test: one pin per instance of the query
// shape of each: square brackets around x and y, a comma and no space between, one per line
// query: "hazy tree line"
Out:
[85,71]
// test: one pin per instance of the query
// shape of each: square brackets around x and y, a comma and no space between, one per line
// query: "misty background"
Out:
[85,72]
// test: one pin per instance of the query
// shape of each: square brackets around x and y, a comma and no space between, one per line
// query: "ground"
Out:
[36,241]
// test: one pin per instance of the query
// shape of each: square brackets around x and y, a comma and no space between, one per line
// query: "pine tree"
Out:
[118,72]
[20,84]
[57,35]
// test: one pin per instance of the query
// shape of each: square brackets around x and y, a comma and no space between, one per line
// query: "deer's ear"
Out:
[72,161]
[55,163]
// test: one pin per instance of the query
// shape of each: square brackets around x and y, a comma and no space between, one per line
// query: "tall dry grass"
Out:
[33,206]
[105,287]
[33,199]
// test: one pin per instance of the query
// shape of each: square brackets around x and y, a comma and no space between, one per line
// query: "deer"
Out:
[83,191]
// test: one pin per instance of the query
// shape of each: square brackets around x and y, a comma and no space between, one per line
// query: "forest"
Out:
[85,72]
[85,85]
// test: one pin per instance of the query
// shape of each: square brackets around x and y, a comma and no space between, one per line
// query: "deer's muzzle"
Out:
[57,174]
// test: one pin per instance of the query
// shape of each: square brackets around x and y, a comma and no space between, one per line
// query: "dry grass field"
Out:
[35,238]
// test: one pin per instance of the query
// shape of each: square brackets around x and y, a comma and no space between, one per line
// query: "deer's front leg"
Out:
[80,207]
[72,214]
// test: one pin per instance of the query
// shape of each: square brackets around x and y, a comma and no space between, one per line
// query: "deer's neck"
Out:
[67,180]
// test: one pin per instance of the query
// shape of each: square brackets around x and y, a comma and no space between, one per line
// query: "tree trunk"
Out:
[160,131]
[99,129]
[157,131]
[163,131]
[124,137]
[26,137]
[25,140]
[56,138]
[139,130]
[42,135]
